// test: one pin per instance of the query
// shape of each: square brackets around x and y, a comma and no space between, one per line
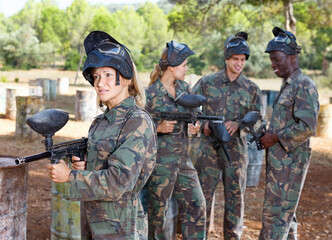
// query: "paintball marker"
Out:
[191,101]
[249,120]
[46,123]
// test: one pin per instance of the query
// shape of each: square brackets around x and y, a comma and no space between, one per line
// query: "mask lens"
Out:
[109,48]
[178,46]
[282,38]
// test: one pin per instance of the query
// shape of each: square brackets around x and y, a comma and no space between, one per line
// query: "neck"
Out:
[232,76]
[167,80]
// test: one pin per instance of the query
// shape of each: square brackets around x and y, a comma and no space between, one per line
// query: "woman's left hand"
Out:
[231,127]
[194,129]
[59,172]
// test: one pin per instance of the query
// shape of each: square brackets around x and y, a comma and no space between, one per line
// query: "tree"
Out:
[156,34]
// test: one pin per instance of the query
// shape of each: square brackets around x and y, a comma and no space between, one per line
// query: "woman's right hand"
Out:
[166,126]
[206,129]
[77,164]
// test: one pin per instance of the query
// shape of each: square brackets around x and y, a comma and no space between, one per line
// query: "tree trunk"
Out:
[290,23]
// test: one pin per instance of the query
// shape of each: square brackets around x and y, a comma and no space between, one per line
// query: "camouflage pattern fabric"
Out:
[294,120]
[121,155]
[174,172]
[231,100]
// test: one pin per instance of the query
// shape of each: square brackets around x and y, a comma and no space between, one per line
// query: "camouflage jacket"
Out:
[232,100]
[159,100]
[121,156]
[295,112]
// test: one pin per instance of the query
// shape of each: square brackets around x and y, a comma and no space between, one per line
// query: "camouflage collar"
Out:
[238,80]
[120,110]
[161,87]
[293,76]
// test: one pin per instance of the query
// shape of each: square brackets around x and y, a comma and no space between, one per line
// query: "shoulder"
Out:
[139,116]
[250,85]
[304,83]
[208,79]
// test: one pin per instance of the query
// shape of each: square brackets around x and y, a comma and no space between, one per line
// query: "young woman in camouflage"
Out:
[121,147]
[174,173]
[293,122]
[232,95]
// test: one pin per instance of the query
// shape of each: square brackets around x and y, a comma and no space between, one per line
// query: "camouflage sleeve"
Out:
[197,88]
[305,113]
[148,107]
[124,164]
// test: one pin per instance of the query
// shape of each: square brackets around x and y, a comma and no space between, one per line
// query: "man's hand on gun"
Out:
[269,139]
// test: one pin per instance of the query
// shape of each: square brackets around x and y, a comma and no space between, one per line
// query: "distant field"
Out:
[24,77]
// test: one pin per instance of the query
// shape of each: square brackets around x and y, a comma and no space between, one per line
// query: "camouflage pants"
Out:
[284,182]
[181,182]
[208,165]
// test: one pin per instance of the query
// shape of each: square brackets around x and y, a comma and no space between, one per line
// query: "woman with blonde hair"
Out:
[121,147]
[174,173]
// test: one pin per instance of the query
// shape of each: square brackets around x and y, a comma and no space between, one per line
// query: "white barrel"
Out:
[63,85]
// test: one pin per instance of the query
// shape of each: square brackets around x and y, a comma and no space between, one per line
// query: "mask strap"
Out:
[117,82]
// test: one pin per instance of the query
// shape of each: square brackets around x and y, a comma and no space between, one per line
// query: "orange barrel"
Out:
[85,105]
[324,126]
[13,199]
[27,106]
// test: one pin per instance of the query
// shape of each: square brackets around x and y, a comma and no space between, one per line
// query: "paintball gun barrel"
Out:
[46,123]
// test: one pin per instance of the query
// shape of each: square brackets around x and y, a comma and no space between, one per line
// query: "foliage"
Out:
[50,32]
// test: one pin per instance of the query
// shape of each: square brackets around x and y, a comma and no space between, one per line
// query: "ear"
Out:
[126,82]
[170,68]
[293,58]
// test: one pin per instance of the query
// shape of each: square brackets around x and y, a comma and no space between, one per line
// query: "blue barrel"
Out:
[255,163]
[268,98]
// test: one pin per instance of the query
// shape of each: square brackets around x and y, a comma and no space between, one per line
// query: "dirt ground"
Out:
[314,211]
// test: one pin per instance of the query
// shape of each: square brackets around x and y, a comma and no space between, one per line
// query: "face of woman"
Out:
[180,70]
[106,88]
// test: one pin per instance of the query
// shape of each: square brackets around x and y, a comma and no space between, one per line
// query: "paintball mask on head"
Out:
[104,51]
[284,41]
[236,44]
[177,53]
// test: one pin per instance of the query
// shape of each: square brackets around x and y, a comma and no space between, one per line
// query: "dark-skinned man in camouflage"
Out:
[174,173]
[121,147]
[293,122]
[230,94]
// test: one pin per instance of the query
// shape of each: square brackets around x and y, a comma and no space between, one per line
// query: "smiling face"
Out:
[105,85]
[282,64]
[235,65]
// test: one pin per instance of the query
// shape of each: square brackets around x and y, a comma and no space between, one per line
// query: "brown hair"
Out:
[158,70]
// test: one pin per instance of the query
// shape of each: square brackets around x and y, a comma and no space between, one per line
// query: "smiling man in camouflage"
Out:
[230,94]
[293,122]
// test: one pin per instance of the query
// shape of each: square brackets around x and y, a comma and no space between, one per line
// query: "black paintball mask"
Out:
[177,53]
[104,51]
[236,44]
[284,41]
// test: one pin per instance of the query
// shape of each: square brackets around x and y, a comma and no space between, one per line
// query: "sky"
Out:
[10,7]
